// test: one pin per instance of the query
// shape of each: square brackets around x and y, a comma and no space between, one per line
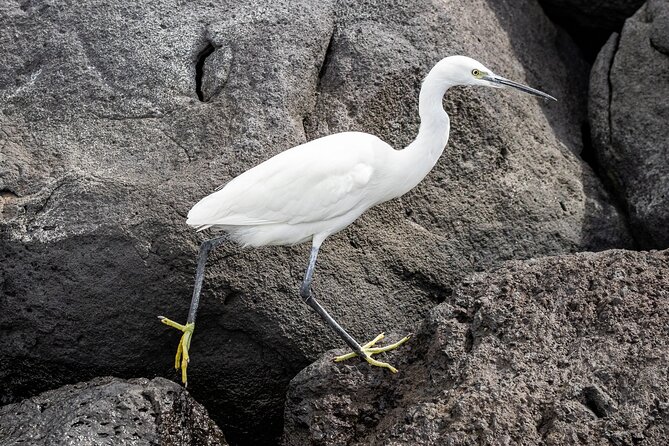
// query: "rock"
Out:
[106,145]
[110,411]
[628,113]
[559,350]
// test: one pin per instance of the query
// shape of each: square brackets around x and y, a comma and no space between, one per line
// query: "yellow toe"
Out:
[171,323]
[182,357]
[370,350]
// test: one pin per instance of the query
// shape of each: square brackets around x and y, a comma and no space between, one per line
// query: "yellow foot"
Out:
[182,358]
[370,350]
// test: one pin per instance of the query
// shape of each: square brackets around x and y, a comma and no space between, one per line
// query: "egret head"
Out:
[462,70]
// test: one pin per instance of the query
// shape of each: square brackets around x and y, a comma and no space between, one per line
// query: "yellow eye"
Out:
[476,73]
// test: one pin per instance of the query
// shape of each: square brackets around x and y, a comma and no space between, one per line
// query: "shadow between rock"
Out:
[601,230]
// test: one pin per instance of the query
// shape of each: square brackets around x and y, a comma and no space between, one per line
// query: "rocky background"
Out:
[116,117]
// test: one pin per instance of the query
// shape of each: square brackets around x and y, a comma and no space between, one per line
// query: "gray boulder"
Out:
[561,350]
[115,118]
[110,411]
[629,116]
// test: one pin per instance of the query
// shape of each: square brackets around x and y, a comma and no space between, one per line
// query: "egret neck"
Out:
[419,157]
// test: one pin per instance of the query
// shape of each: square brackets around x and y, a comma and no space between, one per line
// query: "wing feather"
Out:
[316,181]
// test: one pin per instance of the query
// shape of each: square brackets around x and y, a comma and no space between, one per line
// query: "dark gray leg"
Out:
[199,274]
[305,293]
[182,357]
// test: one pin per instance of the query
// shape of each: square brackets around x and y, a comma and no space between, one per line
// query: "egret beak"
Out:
[499,81]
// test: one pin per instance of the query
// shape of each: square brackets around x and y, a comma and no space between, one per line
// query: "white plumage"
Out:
[318,188]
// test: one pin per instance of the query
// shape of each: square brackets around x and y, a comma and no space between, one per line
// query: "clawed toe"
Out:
[368,349]
[182,357]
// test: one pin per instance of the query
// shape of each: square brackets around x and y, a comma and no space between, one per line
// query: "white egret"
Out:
[316,189]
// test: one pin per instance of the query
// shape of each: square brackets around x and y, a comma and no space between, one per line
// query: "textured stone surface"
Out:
[108,411]
[629,116]
[561,350]
[105,145]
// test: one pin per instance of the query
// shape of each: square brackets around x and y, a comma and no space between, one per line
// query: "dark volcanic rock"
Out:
[561,350]
[110,411]
[629,117]
[116,117]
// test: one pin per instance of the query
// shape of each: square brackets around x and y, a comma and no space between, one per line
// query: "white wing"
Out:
[316,181]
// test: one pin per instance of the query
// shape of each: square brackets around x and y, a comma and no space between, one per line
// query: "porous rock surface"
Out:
[110,411]
[629,112]
[116,117]
[561,350]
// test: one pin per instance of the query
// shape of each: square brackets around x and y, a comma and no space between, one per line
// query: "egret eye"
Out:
[477,73]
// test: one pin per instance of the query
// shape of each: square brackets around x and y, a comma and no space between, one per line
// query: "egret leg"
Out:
[182,357]
[365,351]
